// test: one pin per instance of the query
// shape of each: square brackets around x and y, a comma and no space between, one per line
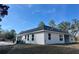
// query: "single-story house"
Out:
[45,35]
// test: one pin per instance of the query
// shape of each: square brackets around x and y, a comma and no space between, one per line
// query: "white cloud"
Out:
[36,11]
[51,11]
[44,12]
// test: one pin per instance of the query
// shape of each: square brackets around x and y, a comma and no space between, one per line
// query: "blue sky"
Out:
[26,16]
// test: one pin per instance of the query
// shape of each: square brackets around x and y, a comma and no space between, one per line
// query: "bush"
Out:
[20,42]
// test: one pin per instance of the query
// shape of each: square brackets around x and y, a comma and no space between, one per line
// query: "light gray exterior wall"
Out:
[41,38]
[72,39]
[54,38]
[38,38]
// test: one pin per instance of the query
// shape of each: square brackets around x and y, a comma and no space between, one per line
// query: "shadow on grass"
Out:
[5,49]
[42,49]
[38,49]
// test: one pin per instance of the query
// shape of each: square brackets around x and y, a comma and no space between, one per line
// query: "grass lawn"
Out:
[40,49]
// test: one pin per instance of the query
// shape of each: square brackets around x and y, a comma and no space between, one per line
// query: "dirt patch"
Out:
[40,49]
[45,49]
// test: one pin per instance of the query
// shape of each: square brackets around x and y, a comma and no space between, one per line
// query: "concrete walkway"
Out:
[2,43]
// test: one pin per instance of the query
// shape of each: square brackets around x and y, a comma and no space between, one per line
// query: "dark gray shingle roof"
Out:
[43,28]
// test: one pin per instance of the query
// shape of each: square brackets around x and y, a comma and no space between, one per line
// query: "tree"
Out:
[52,23]
[75,27]
[3,11]
[7,35]
[2,35]
[65,26]
[75,24]
[41,24]
[11,35]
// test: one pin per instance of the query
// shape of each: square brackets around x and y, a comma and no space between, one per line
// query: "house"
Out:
[45,35]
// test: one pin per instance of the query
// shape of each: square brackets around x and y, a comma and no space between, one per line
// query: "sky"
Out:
[27,16]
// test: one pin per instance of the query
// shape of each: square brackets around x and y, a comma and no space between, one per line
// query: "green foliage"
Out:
[41,24]
[64,25]
[8,35]
[11,35]
[75,24]
[2,35]
[52,23]
[3,10]
[74,27]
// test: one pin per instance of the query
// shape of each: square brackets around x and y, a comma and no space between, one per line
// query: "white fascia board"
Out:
[33,32]
[55,32]
[44,31]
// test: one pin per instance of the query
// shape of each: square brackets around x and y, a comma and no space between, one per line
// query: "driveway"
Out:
[2,43]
